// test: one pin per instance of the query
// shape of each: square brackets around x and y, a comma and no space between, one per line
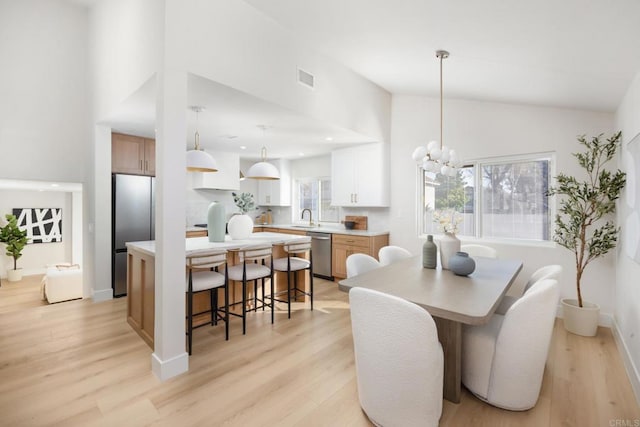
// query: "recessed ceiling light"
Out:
[329,138]
[243,147]
[300,154]
[55,185]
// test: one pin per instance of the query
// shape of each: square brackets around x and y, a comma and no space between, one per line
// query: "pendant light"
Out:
[436,157]
[263,169]
[199,160]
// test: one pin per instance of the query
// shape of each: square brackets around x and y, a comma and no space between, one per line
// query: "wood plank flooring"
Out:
[78,363]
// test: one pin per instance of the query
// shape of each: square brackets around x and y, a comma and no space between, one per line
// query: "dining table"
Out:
[451,300]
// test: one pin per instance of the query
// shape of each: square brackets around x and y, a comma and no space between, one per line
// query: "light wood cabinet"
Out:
[276,192]
[344,245]
[133,155]
[360,176]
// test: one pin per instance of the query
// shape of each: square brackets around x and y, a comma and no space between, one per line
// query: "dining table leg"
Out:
[450,336]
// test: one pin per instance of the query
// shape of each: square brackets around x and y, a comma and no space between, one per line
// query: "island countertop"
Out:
[199,243]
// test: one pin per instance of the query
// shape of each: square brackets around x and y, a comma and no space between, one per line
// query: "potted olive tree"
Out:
[15,241]
[584,224]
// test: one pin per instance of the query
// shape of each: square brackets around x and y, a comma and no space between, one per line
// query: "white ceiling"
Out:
[231,120]
[571,53]
[578,54]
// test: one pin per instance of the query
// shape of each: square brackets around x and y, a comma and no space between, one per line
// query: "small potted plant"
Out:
[582,224]
[15,241]
[241,226]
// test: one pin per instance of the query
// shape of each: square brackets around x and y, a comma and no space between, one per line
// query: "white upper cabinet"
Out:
[276,192]
[227,177]
[360,176]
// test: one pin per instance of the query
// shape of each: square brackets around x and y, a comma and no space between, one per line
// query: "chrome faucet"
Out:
[310,216]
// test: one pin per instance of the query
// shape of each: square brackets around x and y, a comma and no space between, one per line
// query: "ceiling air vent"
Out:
[306,79]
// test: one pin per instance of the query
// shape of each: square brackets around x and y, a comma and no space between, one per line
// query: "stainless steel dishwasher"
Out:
[321,251]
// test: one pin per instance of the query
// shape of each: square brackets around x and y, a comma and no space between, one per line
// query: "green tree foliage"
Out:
[14,238]
[585,203]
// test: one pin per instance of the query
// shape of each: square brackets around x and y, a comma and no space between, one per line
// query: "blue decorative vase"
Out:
[462,264]
[216,223]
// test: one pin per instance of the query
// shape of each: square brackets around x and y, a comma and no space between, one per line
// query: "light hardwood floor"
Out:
[79,363]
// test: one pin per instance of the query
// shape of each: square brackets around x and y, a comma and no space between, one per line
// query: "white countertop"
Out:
[326,229]
[199,243]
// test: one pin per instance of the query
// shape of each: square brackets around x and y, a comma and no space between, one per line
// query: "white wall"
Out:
[43,82]
[36,256]
[483,129]
[627,312]
[232,43]
[126,41]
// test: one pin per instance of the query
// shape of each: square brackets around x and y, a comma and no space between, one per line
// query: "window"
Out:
[504,198]
[315,194]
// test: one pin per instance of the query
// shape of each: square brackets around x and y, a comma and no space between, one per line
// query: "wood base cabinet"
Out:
[346,244]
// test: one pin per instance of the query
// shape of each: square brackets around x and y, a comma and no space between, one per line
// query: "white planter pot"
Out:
[14,275]
[240,227]
[580,320]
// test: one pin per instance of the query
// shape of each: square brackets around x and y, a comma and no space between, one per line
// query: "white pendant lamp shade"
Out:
[199,160]
[263,169]
[435,157]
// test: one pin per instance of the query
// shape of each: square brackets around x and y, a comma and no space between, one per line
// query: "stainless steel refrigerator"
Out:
[133,220]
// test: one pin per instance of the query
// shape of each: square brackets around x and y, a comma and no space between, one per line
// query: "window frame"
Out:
[295,211]
[477,164]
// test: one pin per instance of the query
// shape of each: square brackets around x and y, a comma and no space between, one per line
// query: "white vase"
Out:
[240,226]
[14,275]
[449,245]
[580,320]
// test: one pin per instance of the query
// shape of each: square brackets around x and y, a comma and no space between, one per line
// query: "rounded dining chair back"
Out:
[479,250]
[552,271]
[399,361]
[503,361]
[390,254]
[360,263]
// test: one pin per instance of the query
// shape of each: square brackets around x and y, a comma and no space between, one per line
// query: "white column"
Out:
[100,223]
[170,358]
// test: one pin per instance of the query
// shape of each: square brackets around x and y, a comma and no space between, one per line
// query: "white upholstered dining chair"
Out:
[552,271]
[390,254]
[360,263]
[503,361]
[399,361]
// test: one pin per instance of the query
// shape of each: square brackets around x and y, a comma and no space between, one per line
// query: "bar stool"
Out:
[293,264]
[203,275]
[253,266]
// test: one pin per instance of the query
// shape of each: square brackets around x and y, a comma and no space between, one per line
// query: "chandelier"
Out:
[436,157]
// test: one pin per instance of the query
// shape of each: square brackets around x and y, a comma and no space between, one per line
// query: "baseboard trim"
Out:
[632,370]
[165,369]
[102,295]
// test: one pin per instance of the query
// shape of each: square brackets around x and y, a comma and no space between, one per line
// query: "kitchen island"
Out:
[141,277]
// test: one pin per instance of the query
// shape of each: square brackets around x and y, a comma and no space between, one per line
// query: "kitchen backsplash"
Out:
[198,202]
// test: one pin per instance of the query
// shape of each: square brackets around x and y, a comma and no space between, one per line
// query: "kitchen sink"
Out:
[305,226]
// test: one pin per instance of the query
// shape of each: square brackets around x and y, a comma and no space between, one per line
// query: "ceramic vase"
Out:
[429,253]
[240,226]
[449,245]
[462,264]
[216,223]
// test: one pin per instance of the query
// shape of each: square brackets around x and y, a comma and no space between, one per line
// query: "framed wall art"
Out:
[43,225]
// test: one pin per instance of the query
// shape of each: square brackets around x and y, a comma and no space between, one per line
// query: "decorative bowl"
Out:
[349,225]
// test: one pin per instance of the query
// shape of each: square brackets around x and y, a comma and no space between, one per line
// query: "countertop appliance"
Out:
[321,251]
[133,219]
